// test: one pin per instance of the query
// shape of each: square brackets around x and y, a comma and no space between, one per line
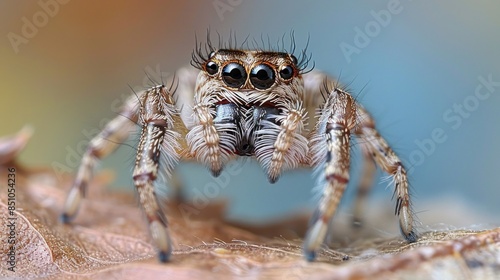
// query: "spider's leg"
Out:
[113,134]
[385,157]
[330,150]
[158,151]
[364,187]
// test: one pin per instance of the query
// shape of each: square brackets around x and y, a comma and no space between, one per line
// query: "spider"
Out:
[247,102]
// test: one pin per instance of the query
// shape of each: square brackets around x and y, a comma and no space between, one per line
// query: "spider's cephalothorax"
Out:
[248,103]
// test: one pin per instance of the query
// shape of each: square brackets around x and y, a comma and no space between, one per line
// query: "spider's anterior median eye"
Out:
[234,75]
[286,72]
[262,76]
[211,67]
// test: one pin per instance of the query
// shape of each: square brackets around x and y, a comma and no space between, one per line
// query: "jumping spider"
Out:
[247,103]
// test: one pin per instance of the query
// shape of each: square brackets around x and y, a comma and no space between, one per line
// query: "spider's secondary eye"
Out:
[286,72]
[262,76]
[234,75]
[294,59]
[211,67]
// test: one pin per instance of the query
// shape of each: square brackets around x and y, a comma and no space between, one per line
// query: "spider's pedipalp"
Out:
[281,147]
[211,142]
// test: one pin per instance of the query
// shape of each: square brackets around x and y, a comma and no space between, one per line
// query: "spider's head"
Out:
[243,100]
[249,77]
[251,69]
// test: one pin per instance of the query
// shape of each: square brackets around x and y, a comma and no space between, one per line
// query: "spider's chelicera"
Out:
[248,103]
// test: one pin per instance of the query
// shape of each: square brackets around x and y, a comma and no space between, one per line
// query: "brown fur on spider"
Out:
[239,102]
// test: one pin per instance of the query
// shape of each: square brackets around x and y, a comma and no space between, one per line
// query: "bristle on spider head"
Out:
[202,51]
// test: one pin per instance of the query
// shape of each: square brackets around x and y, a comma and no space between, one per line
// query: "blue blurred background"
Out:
[419,64]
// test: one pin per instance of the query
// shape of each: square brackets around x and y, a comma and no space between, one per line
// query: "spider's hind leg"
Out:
[375,145]
[103,144]
[364,187]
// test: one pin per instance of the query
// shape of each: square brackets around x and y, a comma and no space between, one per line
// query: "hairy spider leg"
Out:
[331,154]
[388,161]
[366,183]
[114,133]
[159,150]
[158,145]
[338,118]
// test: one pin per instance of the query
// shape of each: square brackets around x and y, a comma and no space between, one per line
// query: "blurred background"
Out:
[427,71]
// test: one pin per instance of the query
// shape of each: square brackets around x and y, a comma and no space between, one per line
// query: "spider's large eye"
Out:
[286,72]
[262,76]
[234,75]
[211,68]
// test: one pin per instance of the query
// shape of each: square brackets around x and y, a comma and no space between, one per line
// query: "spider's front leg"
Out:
[329,145]
[158,149]
[330,150]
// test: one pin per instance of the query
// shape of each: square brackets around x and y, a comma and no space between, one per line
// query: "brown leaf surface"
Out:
[109,240]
